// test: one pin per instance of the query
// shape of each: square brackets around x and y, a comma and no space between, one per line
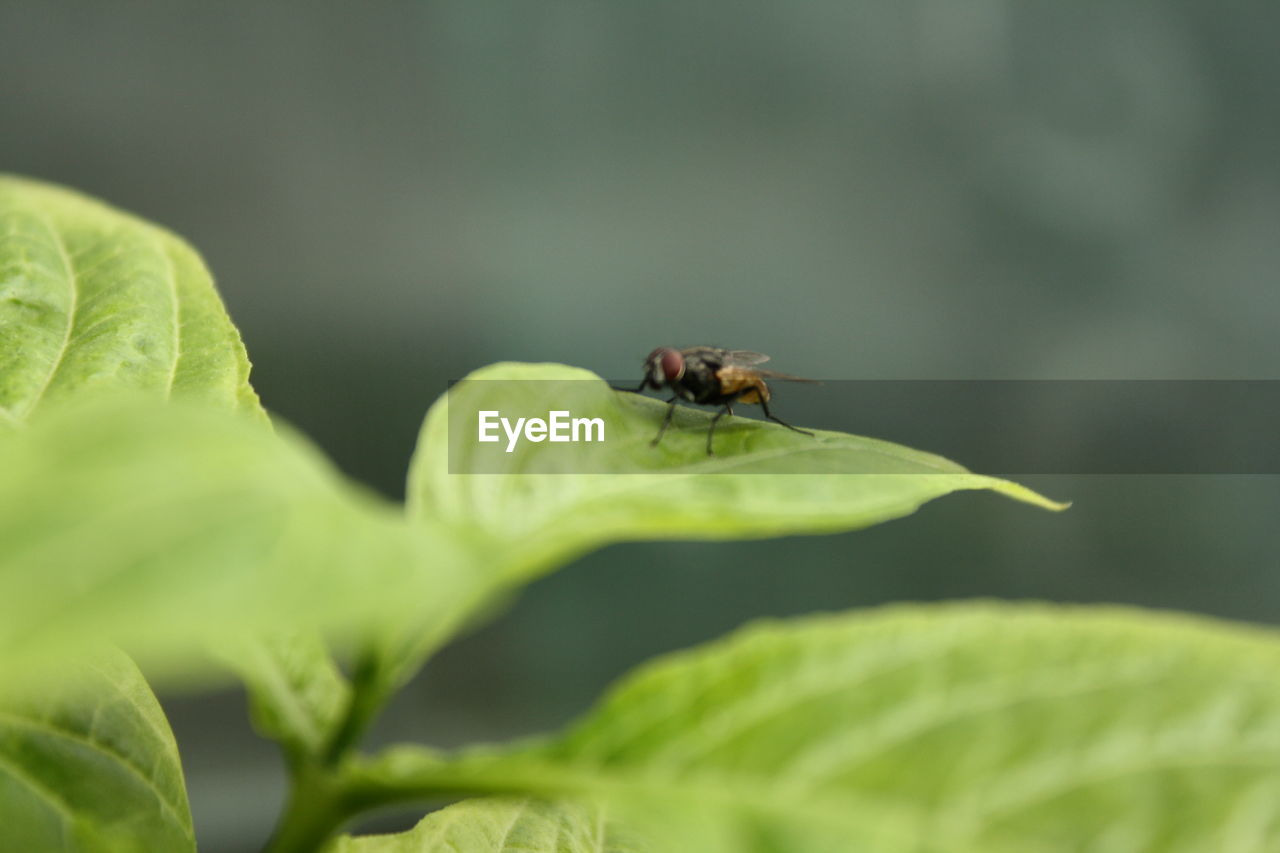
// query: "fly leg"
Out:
[770,415]
[666,422]
[727,410]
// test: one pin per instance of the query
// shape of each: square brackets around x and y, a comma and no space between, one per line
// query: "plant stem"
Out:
[322,796]
[368,694]
[317,808]
[318,802]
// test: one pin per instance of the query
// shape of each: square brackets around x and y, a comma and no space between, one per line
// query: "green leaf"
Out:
[502,826]
[91,767]
[559,500]
[93,299]
[525,512]
[979,727]
[537,507]
[297,694]
[163,527]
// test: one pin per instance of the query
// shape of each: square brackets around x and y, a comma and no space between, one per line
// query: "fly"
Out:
[711,376]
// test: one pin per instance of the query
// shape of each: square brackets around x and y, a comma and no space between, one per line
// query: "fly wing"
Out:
[773,374]
[744,358]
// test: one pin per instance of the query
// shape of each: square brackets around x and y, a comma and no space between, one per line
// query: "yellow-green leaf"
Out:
[543,502]
[975,728]
[94,299]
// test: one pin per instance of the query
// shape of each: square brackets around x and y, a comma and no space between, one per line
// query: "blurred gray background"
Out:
[393,193]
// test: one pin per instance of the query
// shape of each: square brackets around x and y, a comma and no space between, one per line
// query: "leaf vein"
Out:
[72,285]
[123,761]
[62,807]
[177,312]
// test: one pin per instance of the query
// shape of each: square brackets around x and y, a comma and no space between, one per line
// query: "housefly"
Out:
[711,376]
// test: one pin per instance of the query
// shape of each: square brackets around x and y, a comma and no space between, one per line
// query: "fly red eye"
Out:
[672,365]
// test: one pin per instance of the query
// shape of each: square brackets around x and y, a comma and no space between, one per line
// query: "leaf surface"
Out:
[969,728]
[502,826]
[544,502]
[94,299]
[163,527]
[297,694]
[91,767]
[94,302]
[537,507]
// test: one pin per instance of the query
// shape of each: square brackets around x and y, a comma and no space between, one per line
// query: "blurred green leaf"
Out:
[502,826]
[91,766]
[163,526]
[94,299]
[297,694]
[977,727]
